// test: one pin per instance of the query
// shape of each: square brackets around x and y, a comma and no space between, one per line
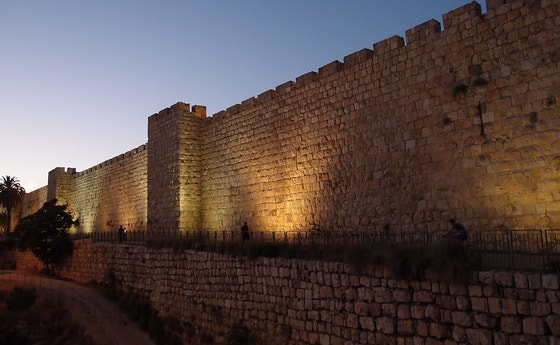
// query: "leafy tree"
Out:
[45,233]
[11,193]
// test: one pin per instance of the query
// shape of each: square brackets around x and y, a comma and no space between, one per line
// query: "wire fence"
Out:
[498,249]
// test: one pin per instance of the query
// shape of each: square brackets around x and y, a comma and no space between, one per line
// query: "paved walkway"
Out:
[104,321]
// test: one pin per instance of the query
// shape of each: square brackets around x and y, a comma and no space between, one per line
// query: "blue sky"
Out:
[78,79]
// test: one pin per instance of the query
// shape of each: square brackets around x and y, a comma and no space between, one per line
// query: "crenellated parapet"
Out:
[456,118]
[114,160]
[462,18]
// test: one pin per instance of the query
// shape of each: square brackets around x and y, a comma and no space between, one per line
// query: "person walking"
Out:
[245,232]
[121,234]
[459,230]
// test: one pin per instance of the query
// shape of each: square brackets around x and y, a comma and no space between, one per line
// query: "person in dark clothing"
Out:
[245,232]
[459,230]
[122,234]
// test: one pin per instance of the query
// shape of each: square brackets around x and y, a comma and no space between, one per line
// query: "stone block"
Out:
[432,312]
[405,327]
[423,297]
[361,308]
[523,308]
[550,281]
[382,295]
[401,296]
[495,305]
[458,289]
[503,278]
[403,312]
[417,311]
[459,334]
[352,321]
[367,323]
[475,290]
[461,318]
[539,309]
[553,322]
[534,326]
[385,325]
[534,281]
[511,324]
[509,306]
[479,337]
[521,281]
[463,303]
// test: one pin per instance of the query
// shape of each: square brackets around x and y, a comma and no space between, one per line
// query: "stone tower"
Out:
[60,185]
[174,168]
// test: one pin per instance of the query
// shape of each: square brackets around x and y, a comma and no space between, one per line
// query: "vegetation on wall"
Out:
[450,260]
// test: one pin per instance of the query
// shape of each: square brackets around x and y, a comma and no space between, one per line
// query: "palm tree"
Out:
[11,193]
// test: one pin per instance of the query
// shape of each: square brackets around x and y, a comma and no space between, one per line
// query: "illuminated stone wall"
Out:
[174,166]
[102,197]
[33,201]
[461,122]
[30,203]
[112,193]
[456,123]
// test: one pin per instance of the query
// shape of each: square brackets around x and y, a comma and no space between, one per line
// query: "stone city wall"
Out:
[102,197]
[31,202]
[286,301]
[461,122]
[456,123]
[34,201]
[113,193]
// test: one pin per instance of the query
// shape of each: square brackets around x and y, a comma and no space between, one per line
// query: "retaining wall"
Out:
[309,302]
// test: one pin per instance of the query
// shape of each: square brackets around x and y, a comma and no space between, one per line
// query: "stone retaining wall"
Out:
[309,302]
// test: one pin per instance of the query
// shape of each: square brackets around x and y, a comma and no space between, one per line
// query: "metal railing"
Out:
[498,249]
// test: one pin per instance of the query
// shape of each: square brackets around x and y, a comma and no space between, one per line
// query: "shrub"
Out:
[449,259]
[453,261]
[240,335]
[410,263]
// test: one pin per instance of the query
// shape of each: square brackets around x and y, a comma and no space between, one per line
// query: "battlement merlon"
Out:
[459,15]
[423,31]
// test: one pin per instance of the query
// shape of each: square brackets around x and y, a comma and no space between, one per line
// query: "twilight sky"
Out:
[78,78]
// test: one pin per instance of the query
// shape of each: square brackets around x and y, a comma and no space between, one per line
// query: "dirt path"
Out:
[101,318]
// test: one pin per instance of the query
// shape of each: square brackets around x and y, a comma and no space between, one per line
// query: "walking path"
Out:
[105,322]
